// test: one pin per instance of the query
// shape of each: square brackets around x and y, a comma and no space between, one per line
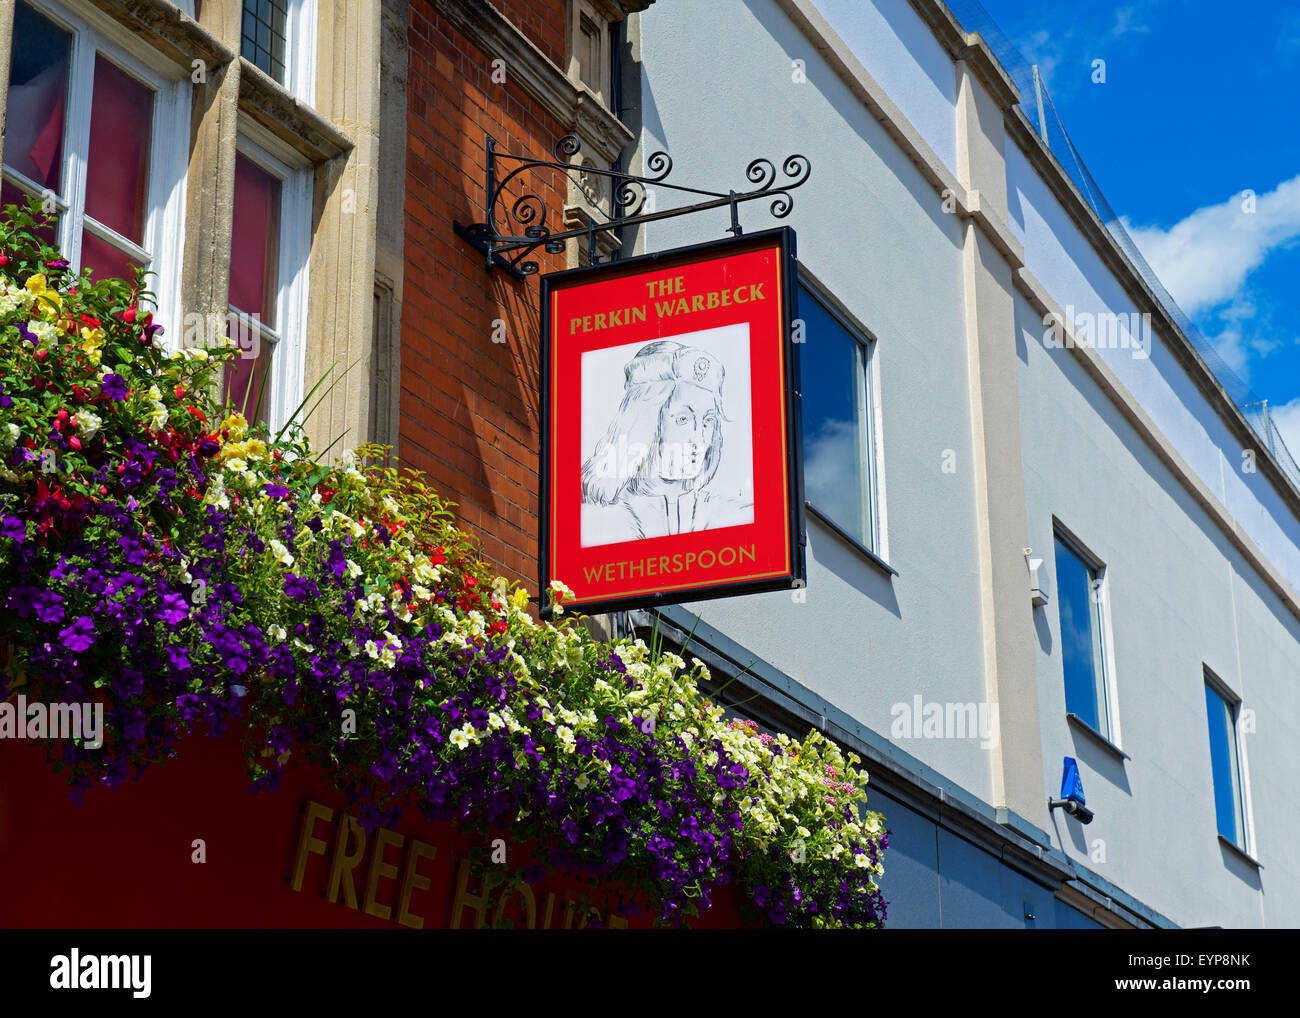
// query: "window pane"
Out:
[833,379]
[1223,761]
[11,194]
[117,170]
[1080,637]
[38,86]
[255,241]
[262,35]
[247,387]
[104,260]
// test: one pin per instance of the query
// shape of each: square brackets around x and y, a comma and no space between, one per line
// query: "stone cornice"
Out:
[170,31]
[575,106]
[970,47]
[294,122]
[618,10]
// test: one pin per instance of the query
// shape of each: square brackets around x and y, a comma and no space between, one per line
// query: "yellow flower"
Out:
[50,301]
[255,449]
[520,598]
[92,340]
[235,426]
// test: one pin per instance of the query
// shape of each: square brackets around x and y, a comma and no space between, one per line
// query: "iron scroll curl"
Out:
[512,229]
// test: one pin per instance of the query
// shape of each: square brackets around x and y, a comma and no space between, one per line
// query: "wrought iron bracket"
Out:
[628,200]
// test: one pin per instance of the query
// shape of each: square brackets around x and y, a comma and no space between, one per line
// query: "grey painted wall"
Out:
[717,89]
[873,231]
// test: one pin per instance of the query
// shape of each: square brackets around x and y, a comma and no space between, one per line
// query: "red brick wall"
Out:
[469,406]
[543,21]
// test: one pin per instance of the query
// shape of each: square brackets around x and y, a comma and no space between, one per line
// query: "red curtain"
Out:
[117,170]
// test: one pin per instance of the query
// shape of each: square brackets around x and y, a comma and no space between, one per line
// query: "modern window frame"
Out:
[164,228]
[1241,790]
[299,49]
[869,416]
[1108,693]
[285,380]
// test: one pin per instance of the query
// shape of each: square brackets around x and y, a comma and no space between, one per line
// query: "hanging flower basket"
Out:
[188,572]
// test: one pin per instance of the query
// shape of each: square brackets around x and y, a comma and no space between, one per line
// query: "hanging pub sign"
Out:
[671,455]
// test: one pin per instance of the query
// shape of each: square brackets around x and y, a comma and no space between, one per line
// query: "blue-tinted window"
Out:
[1222,716]
[836,420]
[1079,595]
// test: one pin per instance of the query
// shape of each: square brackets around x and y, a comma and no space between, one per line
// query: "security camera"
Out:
[1074,808]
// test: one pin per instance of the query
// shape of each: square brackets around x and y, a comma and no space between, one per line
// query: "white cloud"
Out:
[831,475]
[1205,259]
[1131,19]
[1286,419]
[1076,44]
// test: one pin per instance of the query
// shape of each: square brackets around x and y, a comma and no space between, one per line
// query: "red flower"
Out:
[437,558]
[499,626]
[180,391]
[128,316]
[326,494]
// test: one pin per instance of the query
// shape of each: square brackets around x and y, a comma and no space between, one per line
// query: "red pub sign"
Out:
[671,466]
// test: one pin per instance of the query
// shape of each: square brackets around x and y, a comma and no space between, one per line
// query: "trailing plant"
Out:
[162,556]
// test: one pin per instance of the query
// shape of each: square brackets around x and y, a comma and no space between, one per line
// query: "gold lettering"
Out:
[525,893]
[307,840]
[463,900]
[573,325]
[697,302]
[747,554]
[411,881]
[348,861]
[379,868]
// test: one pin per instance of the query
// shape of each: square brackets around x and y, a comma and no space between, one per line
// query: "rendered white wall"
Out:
[873,230]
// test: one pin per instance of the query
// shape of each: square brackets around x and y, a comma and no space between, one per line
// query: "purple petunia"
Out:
[298,588]
[173,609]
[277,491]
[114,387]
[13,528]
[80,635]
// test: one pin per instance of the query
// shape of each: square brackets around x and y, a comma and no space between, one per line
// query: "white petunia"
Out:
[281,553]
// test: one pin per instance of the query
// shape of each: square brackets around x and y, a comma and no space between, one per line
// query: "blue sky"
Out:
[1200,104]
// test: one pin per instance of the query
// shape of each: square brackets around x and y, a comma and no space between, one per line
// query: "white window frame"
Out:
[284,386]
[868,403]
[1235,702]
[299,48]
[1109,699]
[164,230]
